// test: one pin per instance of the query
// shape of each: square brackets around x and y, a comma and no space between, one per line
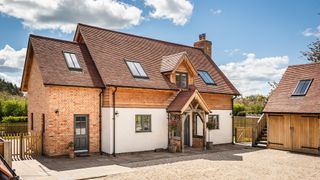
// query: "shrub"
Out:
[237,108]
[13,107]
[14,119]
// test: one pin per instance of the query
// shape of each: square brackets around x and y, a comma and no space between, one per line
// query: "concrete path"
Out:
[34,170]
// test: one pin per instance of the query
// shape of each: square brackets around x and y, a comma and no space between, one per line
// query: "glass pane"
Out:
[140,70]
[75,60]
[209,79]
[138,123]
[146,123]
[83,128]
[133,69]
[69,60]
[302,87]
[78,128]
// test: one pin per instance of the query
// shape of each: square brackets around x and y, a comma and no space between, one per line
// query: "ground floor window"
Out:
[214,121]
[143,123]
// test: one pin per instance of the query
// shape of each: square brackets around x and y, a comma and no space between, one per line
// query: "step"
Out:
[262,142]
[263,138]
[261,145]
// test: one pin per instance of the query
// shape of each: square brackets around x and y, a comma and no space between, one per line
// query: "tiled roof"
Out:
[282,101]
[180,101]
[108,50]
[53,66]
[169,63]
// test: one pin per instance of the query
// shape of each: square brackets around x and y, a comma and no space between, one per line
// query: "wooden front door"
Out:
[305,133]
[187,131]
[81,133]
[279,135]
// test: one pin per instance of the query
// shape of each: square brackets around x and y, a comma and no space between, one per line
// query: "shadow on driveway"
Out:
[226,153]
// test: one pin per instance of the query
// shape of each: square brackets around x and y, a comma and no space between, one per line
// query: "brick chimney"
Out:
[204,44]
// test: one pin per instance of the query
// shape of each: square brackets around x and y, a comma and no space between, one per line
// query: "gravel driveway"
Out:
[261,164]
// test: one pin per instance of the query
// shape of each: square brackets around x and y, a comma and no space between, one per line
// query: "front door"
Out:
[187,131]
[81,133]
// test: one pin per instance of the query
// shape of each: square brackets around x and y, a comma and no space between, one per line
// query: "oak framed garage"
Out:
[293,111]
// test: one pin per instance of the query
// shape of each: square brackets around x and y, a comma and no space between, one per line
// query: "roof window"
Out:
[72,61]
[136,69]
[302,87]
[206,77]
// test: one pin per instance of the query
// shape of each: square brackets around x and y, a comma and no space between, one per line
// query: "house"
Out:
[113,92]
[293,110]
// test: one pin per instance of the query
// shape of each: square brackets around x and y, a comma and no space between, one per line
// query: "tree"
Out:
[313,54]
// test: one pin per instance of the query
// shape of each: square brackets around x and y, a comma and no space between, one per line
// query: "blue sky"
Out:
[253,41]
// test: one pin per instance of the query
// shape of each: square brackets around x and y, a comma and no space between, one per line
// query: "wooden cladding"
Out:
[151,98]
[139,98]
[294,132]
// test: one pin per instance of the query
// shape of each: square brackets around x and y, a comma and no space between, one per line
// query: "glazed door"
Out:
[81,133]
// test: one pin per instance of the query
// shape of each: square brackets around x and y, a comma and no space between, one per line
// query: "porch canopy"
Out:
[185,105]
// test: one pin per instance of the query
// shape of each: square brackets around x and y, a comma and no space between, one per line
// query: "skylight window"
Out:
[136,69]
[302,87]
[206,77]
[72,61]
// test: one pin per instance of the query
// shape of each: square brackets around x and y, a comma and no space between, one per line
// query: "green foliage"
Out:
[9,87]
[249,105]
[14,119]
[13,107]
[313,54]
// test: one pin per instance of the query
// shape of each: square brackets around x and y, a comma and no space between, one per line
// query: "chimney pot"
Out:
[202,36]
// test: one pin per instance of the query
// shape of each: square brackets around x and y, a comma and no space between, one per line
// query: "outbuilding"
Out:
[293,110]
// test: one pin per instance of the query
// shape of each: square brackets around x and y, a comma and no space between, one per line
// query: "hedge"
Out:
[14,119]
[13,107]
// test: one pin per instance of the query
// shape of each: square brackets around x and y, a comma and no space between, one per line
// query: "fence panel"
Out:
[24,145]
[243,128]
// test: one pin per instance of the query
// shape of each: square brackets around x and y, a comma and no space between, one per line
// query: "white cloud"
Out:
[65,14]
[11,64]
[232,52]
[216,12]
[251,76]
[179,11]
[309,32]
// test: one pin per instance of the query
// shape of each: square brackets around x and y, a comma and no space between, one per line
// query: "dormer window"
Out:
[182,80]
[136,70]
[72,61]
[302,87]
[206,77]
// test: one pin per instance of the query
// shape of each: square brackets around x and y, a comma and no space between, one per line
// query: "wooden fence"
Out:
[13,128]
[24,145]
[243,128]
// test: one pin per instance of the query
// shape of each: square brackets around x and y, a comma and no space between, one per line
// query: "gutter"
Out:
[100,121]
[114,120]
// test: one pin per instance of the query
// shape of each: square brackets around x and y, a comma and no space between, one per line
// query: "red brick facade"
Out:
[60,104]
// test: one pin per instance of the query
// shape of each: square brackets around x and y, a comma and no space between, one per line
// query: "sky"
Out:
[253,41]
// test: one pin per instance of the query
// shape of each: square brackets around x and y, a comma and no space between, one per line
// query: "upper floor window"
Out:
[72,61]
[182,80]
[302,87]
[206,77]
[136,69]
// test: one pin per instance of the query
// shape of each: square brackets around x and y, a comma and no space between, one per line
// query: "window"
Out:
[143,123]
[302,87]
[136,69]
[206,77]
[182,80]
[214,119]
[43,123]
[72,61]
[31,121]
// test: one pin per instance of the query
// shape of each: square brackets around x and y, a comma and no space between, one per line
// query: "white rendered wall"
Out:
[224,133]
[127,139]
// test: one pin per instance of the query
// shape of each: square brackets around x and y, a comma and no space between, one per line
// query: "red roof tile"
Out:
[282,101]
[53,66]
[109,49]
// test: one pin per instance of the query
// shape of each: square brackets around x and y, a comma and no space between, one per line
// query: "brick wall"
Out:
[63,104]
[68,101]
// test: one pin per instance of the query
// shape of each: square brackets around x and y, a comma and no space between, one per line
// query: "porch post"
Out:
[191,128]
[204,130]
[182,118]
